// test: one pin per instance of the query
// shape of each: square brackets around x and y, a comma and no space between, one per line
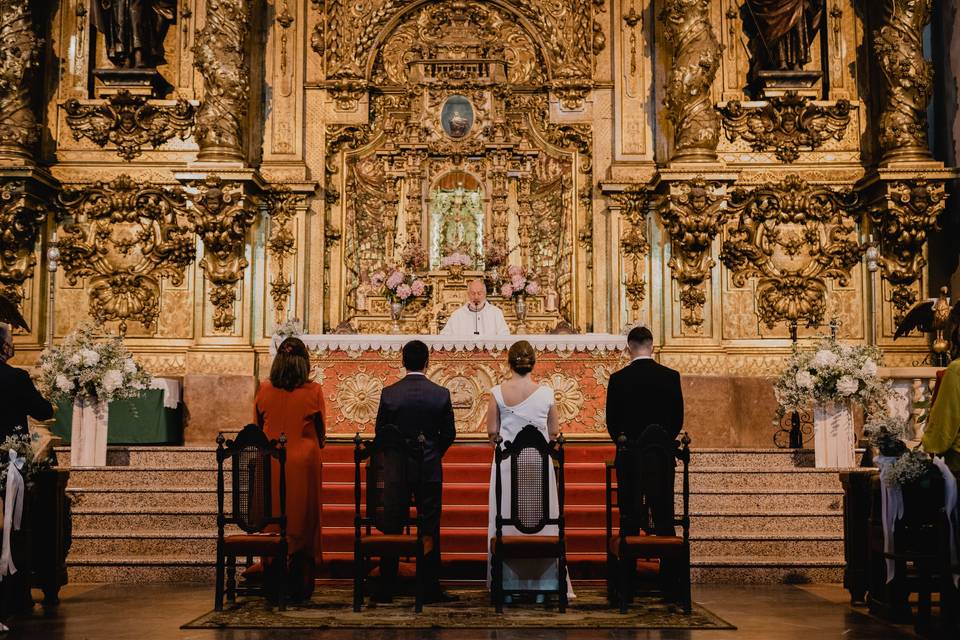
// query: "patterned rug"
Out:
[331,608]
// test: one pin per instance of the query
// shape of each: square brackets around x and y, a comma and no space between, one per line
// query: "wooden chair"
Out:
[251,457]
[390,481]
[530,457]
[645,471]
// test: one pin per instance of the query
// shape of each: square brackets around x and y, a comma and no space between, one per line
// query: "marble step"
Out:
[151,519]
[745,570]
[340,454]
[109,544]
[202,497]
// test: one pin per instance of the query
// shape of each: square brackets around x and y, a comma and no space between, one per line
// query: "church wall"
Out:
[657,220]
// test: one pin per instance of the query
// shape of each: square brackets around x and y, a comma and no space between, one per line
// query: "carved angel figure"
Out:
[134,30]
[787,29]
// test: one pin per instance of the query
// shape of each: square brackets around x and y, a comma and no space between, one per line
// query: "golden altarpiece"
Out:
[668,162]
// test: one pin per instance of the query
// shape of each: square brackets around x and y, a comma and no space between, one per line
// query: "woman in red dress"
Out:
[290,403]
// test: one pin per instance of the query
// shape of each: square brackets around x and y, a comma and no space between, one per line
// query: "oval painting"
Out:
[456,117]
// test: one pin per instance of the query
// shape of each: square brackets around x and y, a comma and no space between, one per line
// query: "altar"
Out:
[354,369]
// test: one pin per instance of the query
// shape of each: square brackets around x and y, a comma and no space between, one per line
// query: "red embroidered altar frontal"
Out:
[353,370]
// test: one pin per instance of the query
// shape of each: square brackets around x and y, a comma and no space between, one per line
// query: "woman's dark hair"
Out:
[522,357]
[291,365]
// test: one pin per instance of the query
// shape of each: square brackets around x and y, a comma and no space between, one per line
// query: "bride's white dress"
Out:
[533,575]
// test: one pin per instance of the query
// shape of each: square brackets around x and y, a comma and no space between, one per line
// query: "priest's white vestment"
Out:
[488,321]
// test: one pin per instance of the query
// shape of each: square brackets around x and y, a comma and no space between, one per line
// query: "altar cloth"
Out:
[354,369]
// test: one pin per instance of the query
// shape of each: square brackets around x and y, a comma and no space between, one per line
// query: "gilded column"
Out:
[220,55]
[909,80]
[696,58]
[19,131]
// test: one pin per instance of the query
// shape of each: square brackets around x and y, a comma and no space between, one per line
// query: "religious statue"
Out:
[134,30]
[787,29]
[459,232]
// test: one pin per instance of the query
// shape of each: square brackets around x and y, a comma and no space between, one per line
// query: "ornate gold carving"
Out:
[282,205]
[692,213]
[785,124]
[125,237]
[792,236]
[129,122]
[909,80]
[221,213]
[358,396]
[696,58]
[634,245]
[19,130]
[21,218]
[219,51]
[904,218]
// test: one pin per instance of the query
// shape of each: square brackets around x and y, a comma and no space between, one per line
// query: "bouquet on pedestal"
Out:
[832,377]
[400,288]
[521,283]
[90,371]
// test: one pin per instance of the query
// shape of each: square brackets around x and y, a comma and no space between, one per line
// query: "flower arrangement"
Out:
[887,434]
[20,442]
[495,254]
[96,369]
[292,327]
[413,257]
[457,258]
[398,285]
[832,372]
[912,467]
[521,283]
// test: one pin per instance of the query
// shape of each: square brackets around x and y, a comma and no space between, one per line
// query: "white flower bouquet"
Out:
[20,442]
[832,372]
[86,366]
[520,283]
[398,285]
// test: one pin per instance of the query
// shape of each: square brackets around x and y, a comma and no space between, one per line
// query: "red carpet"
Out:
[466,478]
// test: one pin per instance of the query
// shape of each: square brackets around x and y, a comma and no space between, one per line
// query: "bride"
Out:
[517,402]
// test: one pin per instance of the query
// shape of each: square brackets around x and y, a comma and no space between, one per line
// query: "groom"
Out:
[416,405]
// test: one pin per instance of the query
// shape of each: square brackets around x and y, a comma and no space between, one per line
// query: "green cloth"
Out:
[942,435]
[140,420]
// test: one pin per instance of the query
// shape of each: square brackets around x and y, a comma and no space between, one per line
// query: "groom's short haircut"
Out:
[640,338]
[415,355]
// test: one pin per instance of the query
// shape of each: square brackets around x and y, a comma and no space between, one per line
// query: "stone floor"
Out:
[148,612]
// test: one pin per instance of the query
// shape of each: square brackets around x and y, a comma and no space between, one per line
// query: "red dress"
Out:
[292,413]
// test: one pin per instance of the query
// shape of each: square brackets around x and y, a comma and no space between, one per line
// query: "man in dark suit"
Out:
[642,394]
[20,396]
[416,405]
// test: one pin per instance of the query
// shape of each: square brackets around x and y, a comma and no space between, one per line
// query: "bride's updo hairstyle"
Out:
[522,357]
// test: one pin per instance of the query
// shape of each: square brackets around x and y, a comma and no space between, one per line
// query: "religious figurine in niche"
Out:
[786,30]
[133,30]
[456,117]
[459,231]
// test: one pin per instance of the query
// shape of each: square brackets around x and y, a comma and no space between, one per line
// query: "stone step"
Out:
[740,570]
[340,454]
[153,519]
[142,477]
[202,497]
[107,544]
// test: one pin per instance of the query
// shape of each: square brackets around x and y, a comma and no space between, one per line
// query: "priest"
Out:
[477,318]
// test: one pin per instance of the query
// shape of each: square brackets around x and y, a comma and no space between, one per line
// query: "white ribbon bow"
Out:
[12,512]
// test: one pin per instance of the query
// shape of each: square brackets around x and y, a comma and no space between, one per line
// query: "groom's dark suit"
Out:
[416,405]
[641,394]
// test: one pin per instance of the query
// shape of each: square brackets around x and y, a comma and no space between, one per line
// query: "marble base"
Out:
[215,403]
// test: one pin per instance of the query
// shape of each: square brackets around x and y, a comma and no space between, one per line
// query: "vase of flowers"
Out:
[832,377]
[90,371]
[521,283]
[400,288]
[456,262]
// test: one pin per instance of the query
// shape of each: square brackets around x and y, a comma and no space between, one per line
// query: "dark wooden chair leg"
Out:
[623,586]
[218,589]
[357,579]
[498,582]
[418,585]
[562,583]
[282,580]
[231,579]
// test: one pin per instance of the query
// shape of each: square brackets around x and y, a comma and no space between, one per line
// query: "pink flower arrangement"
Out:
[457,257]
[399,286]
[521,283]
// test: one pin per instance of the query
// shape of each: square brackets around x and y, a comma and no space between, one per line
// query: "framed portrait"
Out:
[456,117]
